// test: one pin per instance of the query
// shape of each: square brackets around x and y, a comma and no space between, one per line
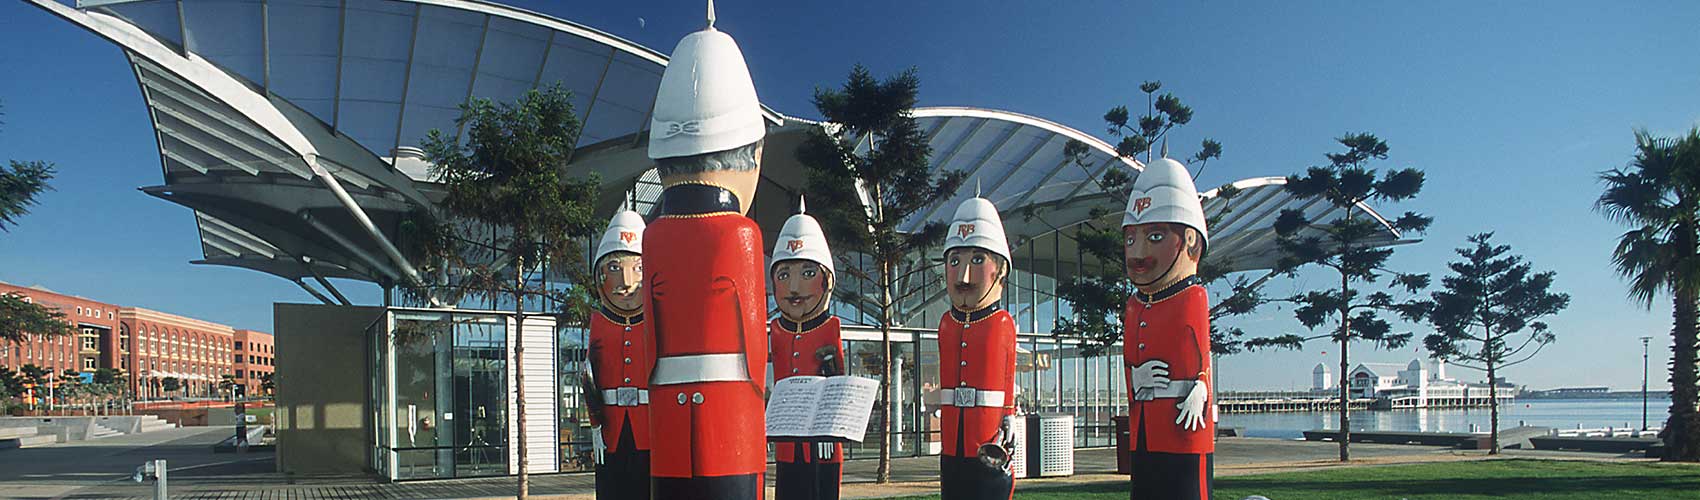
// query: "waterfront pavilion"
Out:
[289,129]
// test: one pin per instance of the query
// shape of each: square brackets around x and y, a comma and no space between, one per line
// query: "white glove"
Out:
[825,450]
[599,450]
[1153,374]
[1192,408]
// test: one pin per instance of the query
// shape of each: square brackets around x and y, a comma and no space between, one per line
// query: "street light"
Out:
[1644,341]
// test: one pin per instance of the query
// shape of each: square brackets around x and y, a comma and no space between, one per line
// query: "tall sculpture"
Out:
[707,299]
[976,359]
[1166,337]
[805,341]
[620,363]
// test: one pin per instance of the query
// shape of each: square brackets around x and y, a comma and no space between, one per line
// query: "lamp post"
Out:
[1644,341]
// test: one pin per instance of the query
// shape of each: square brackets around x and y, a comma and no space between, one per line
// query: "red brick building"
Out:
[96,345]
[196,353]
[253,359]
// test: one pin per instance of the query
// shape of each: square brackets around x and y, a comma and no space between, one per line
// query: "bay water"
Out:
[1556,413]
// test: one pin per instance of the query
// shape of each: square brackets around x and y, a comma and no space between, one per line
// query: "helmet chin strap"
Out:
[1001,273]
[1177,260]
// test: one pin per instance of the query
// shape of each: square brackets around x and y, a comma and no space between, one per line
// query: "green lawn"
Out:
[1520,478]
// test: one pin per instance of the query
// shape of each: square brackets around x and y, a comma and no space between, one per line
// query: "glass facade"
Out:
[1052,377]
[440,394]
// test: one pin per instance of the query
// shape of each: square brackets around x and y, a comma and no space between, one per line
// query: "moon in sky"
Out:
[640,22]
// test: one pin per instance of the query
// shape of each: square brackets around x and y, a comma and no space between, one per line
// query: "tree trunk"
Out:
[519,376]
[1493,401]
[1682,431]
[883,474]
[1345,436]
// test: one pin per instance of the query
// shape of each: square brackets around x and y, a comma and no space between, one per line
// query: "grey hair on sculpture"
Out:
[739,159]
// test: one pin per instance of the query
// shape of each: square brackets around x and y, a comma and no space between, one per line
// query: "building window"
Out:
[238,346]
[123,364]
[89,343]
[88,364]
[238,358]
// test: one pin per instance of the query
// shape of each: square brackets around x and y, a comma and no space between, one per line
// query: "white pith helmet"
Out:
[801,238]
[977,224]
[706,102]
[624,234]
[1164,192]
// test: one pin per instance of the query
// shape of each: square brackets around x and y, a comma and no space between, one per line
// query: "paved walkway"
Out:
[101,469]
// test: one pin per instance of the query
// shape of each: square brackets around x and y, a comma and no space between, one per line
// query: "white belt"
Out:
[625,396]
[969,397]
[701,368]
[1177,389]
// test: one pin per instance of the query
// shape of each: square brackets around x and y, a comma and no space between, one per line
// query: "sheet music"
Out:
[792,406]
[828,409]
[846,404]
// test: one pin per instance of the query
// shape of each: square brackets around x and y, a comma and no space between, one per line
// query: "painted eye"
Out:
[979,259]
[613,267]
[955,261]
[808,273]
[1130,240]
[1155,237]
[783,275]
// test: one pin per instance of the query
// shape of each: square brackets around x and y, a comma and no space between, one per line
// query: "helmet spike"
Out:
[710,14]
[801,207]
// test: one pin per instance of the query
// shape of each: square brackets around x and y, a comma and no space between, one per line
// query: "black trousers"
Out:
[965,478]
[624,473]
[1170,476]
[743,487]
[806,481]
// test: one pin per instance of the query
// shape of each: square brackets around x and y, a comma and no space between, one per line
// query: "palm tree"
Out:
[1658,197]
[169,385]
[227,385]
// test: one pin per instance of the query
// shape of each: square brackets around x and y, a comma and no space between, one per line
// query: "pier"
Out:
[1285,401]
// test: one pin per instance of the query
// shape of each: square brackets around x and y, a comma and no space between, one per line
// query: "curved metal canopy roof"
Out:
[277,122]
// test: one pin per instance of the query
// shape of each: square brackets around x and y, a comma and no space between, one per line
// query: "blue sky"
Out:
[1511,107]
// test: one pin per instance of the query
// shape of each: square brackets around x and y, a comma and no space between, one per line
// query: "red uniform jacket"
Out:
[1174,326]
[707,307]
[976,350]
[792,347]
[620,358]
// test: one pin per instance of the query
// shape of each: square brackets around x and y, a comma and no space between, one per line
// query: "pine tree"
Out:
[1488,317]
[507,212]
[862,198]
[20,186]
[1344,247]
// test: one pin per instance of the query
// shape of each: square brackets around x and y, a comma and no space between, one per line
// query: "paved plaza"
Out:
[102,468]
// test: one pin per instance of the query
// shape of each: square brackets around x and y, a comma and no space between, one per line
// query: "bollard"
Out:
[159,484]
[155,469]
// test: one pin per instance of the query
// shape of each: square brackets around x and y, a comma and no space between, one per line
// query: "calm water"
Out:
[1566,414]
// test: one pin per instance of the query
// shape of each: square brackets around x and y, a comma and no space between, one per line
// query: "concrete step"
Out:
[157,426]
[34,441]
[102,431]
[27,442]
[16,432]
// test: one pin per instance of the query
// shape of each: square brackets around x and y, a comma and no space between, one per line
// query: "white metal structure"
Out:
[279,122]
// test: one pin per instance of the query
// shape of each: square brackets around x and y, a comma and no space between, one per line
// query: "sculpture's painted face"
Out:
[801,288]
[1160,254]
[622,279]
[973,277]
